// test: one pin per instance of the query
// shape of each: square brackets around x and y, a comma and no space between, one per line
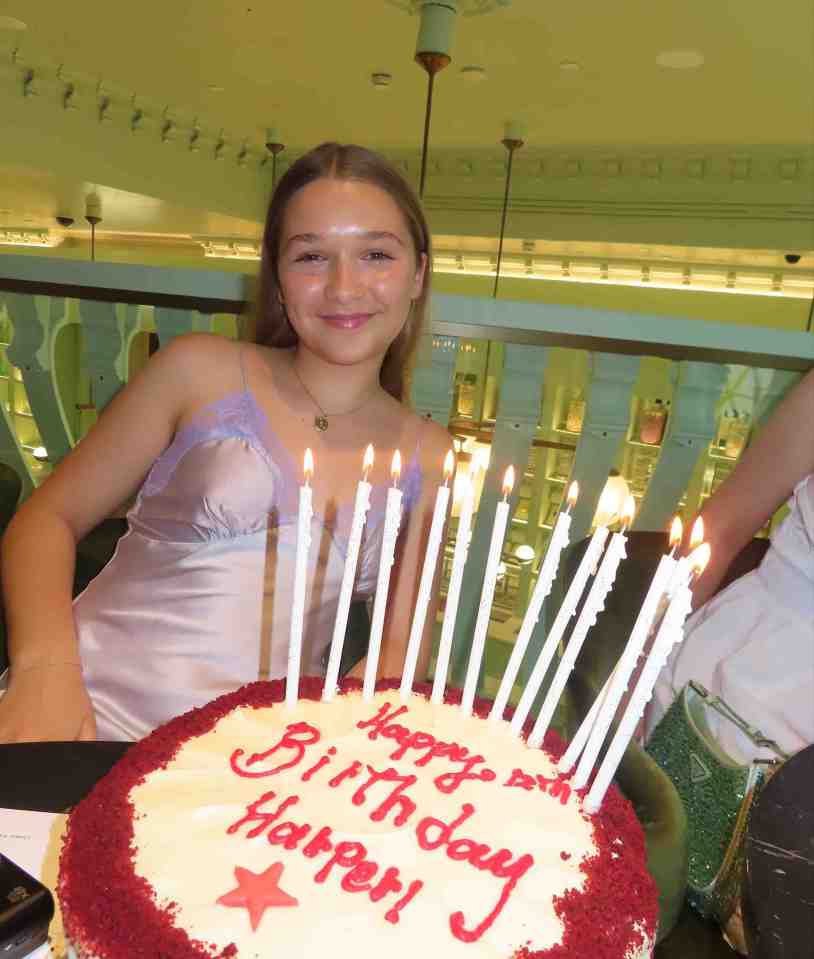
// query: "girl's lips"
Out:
[347,321]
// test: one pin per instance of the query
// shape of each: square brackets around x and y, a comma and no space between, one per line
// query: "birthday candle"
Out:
[594,604]
[552,640]
[392,518]
[425,586]
[577,744]
[627,661]
[683,568]
[548,570]
[304,515]
[487,594]
[360,507]
[670,632]
[459,555]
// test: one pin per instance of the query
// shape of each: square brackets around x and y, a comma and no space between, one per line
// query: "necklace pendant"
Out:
[321,423]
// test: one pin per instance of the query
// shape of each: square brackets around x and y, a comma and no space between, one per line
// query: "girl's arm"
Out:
[781,455]
[46,698]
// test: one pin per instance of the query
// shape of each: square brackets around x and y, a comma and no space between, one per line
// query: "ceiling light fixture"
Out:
[432,54]
[93,214]
[275,146]
[11,236]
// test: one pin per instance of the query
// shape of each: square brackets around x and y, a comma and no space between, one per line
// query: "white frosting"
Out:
[183,814]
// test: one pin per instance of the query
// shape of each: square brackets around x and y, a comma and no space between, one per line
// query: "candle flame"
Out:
[697,534]
[449,466]
[395,469]
[573,494]
[367,463]
[608,506]
[628,512]
[508,481]
[676,532]
[480,460]
[699,558]
[308,465]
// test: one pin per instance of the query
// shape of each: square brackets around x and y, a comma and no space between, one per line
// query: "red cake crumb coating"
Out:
[111,912]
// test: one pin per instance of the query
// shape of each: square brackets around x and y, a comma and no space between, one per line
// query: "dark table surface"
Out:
[52,777]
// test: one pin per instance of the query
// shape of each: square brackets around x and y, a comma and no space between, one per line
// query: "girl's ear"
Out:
[421,269]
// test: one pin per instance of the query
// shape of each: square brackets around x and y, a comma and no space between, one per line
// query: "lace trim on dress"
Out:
[231,416]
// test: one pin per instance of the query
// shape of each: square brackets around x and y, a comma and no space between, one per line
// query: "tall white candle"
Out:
[577,744]
[548,570]
[439,514]
[566,611]
[392,519]
[360,507]
[627,661]
[594,604]
[459,554]
[304,516]
[487,594]
[670,632]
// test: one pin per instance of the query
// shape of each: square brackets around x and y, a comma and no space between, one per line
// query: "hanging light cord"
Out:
[511,146]
[427,115]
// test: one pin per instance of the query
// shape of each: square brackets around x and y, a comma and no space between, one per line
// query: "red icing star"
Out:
[257,892]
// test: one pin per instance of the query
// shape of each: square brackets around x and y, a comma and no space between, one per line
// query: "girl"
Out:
[211,435]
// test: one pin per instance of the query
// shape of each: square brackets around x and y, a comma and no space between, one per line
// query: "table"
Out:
[778,904]
[52,777]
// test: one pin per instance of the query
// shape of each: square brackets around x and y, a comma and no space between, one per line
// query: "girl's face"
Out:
[347,269]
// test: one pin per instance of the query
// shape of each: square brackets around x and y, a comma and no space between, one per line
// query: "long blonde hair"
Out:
[342,162]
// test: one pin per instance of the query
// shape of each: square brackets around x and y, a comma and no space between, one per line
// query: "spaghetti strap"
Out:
[243,374]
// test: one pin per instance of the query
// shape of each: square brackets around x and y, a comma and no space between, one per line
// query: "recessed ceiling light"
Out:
[569,66]
[12,23]
[680,59]
[381,80]
[473,73]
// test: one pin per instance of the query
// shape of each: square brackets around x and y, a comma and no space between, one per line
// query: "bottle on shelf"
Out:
[575,414]
[652,422]
[736,435]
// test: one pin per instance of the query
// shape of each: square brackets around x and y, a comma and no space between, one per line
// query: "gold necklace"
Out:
[321,420]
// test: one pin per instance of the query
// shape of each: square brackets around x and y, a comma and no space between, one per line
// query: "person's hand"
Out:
[46,702]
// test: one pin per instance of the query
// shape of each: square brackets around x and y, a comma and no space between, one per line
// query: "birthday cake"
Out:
[245,828]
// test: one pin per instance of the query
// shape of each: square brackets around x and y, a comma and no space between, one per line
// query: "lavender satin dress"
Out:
[196,599]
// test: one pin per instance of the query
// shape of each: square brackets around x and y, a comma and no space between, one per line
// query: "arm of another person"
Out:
[46,698]
[781,455]
[435,444]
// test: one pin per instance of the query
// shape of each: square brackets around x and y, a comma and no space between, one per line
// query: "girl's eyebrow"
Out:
[368,235]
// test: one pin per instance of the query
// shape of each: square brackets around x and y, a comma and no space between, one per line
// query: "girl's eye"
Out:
[378,255]
[308,258]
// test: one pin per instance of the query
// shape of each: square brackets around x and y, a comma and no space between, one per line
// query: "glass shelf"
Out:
[646,446]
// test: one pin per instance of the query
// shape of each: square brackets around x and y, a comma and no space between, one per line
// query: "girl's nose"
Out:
[344,281]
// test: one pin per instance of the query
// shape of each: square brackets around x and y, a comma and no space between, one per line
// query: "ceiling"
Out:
[581,80]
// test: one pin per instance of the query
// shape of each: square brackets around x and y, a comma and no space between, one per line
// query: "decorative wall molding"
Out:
[120,140]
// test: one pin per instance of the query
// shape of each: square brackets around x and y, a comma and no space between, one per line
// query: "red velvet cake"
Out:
[246,829]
